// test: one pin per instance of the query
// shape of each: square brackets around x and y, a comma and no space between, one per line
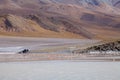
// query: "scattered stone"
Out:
[113,47]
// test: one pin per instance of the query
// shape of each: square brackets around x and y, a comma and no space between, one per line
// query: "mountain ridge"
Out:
[60,17]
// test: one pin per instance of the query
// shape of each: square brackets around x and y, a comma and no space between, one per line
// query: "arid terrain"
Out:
[39,48]
[86,19]
[42,26]
[37,44]
[59,39]
[48,49]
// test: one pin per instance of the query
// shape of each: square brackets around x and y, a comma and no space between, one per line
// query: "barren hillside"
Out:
[84,19]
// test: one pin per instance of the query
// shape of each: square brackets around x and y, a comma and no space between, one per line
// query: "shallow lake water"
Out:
[60,70]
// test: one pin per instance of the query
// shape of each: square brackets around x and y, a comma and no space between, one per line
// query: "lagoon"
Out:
[60,70]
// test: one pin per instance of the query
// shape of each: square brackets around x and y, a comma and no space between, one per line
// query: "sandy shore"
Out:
[47,56]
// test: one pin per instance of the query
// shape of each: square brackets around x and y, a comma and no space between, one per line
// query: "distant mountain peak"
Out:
[115,3]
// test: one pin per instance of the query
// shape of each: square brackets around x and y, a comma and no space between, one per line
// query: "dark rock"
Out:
[111,46]
[24,51]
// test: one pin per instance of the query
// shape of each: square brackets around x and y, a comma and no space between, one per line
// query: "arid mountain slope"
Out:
[115,3]
[60,16]
[19,26]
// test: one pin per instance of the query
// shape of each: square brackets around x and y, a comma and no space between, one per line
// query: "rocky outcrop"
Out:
[107,47]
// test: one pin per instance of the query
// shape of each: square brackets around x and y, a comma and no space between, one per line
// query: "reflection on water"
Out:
[60,70]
